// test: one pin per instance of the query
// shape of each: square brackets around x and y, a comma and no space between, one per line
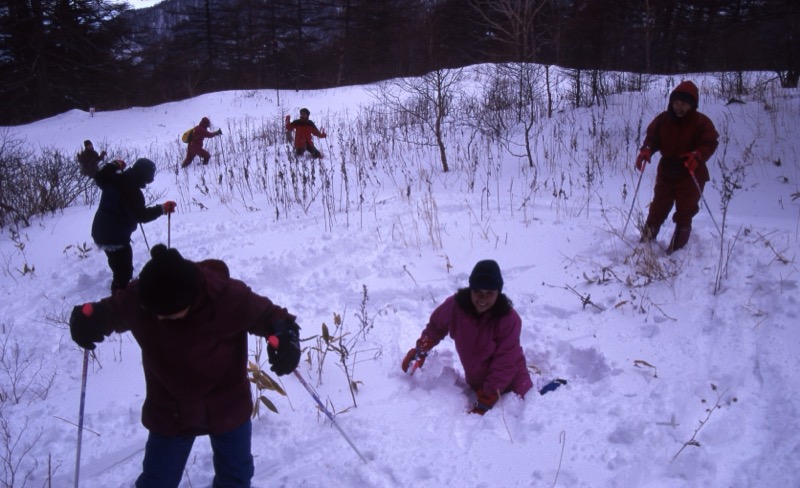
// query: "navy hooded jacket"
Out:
[122,205]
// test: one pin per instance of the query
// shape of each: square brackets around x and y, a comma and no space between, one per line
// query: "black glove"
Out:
[85,328]
[286,355]
[219,132]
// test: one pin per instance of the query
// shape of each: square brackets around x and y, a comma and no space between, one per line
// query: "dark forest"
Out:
[57,55]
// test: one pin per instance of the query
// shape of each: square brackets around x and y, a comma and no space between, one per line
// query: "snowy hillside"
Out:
[681,369]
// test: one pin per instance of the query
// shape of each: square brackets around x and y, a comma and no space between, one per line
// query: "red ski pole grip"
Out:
[273,341]
[87,309]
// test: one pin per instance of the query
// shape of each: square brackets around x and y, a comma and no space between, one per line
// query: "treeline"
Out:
[59,55]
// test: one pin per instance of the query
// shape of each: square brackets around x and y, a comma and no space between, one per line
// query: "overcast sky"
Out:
[142,3]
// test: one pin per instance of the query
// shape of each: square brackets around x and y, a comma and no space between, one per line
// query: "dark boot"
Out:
[649,233]
[679,238]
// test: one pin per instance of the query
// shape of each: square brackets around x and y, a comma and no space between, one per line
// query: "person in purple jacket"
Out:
[486,330]
[192,321]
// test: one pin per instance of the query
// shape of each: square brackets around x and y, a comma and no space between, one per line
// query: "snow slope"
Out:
[656,355]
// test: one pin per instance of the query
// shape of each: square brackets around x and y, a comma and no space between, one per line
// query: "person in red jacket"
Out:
[486,330]
[191,321]
[195,147]
[686,139]
[303,130]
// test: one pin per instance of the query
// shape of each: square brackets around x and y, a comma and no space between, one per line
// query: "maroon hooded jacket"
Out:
[200,134]
[674,136]
[488,346]
[196,367]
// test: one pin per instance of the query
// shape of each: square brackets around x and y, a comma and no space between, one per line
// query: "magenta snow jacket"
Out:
[195,368]
[489,347]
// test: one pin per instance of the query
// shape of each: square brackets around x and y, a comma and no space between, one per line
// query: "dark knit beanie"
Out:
[305,111]
[142,172]
[486,276]
[168,283]
[87,143]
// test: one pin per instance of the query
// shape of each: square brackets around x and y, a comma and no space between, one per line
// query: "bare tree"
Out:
[426,100]
[513,22]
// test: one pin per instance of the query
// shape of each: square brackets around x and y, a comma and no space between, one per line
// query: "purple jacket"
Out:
[196,367]
[488,347]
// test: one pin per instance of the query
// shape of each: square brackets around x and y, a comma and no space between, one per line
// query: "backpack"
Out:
[187,136]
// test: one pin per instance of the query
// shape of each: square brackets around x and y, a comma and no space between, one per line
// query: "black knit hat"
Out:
[87,143]
[305,111]
[168,283]
[486,276]
[142,172]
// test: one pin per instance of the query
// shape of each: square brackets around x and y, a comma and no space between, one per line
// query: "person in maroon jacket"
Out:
[686,139]
[303,130]
[89,160]
[486,330]
[191,321]
[195,147]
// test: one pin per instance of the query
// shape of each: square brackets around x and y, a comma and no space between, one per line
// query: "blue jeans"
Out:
[165,459]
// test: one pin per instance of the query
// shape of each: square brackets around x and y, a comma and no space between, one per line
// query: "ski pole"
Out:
[636,192]
[169,230]
[273,341]
[80,416]
[145,237]
[699,190]
[87,310]
[328,413]
[222,151]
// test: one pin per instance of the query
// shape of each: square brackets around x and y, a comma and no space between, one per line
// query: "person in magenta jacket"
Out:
[191,321]
[195,147]
[486,331]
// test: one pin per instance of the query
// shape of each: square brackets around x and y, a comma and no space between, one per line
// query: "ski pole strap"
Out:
[552,386]
[419,358]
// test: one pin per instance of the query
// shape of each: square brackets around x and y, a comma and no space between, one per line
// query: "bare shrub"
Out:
[37,184]
[16,462]
[702,422]
[22,372]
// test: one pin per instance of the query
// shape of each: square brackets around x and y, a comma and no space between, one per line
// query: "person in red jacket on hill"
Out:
[303,130]
[195,147]
[191,321]
[686,139]
[486,330]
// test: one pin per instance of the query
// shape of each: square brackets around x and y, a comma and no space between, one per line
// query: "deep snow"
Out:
[647,362]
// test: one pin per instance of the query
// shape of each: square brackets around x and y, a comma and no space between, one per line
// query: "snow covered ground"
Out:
[682,369]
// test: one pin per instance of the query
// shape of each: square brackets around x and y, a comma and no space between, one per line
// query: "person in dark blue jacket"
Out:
[121,208]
